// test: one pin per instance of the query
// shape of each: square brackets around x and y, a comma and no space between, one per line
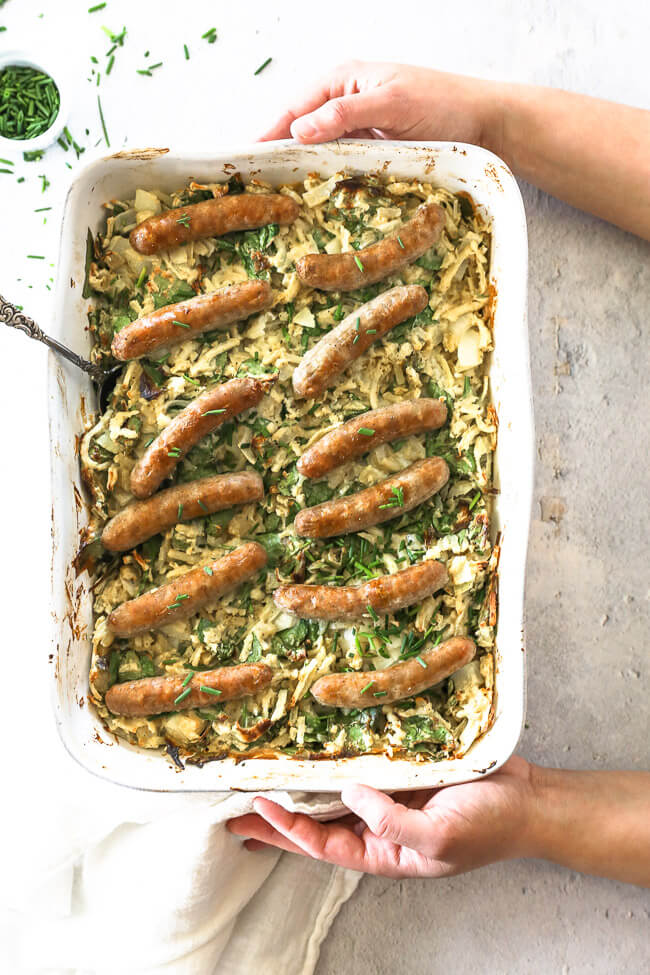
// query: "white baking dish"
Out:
[457,167]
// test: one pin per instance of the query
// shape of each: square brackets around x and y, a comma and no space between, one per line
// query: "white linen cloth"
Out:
[151,884]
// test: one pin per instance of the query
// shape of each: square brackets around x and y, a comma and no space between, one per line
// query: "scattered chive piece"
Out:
[94,60]
[98,6]
[371,331]
[189,677]
[474,500]
[10,171]
[367,687]
[7,162]
[207,570]
[358,262]
[357,326]
[185,220]
[41,209]
[399,241]
[366,431]
[150,441]
[187,53]
[144,71]
[142,275]
[380,693]
[195,382]
[110,64]
[36,257]
[421,662]
[201,505]
[101,116]
[183,695]
[210,690]
[372,613]
[397,501]
[210,35]
[182,324]
[174,452]
[180,512]
[213,412]
[152,67]
[262,66]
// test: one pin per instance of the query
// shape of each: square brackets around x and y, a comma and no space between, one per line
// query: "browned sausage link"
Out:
[212,218]
[333,353]
[369,689]
[204,414]
[369,430]
[180,599]
[341,272]
[142,519]
[155,695]
[186,319]
[388,499]
[387,594]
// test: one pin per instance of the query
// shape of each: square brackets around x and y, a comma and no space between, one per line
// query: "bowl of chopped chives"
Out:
[32,109]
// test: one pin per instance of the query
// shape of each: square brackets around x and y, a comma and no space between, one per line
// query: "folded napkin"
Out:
[154,884]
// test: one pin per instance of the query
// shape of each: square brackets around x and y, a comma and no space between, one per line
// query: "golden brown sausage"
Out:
[334,352]
[358,269]
[369,430]
[203,415]
[212,218]
[386,594]
[180,599]
[185,320]
[142,519]
[388,499]
[156,695]
[369,689]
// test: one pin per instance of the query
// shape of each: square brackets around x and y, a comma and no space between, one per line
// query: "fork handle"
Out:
[15,318]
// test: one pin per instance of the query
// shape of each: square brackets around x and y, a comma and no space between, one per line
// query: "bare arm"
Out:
[593,154]
[595,822]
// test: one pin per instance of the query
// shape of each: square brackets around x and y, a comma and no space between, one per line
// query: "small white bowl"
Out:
[43,63]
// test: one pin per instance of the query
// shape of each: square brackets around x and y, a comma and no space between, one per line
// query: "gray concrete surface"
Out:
[587,619]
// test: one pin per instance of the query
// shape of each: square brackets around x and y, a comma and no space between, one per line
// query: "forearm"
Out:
[594,822]
[593,154]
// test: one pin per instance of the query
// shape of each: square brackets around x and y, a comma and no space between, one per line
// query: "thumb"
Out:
[338,116]
[387,819]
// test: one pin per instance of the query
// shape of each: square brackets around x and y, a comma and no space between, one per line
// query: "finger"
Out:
[338,116]
[259,832]
[319,93]
[387,819]
[322,841]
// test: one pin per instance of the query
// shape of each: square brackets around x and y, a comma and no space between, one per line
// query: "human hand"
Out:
[425,834]
[392,101]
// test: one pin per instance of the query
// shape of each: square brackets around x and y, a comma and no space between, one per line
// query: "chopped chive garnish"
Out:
[474,500]
[187,53]
[98,6]
[10,171]
[367,687]
[36,257]
[180,512]
[144,71]
[399,241]
[111,62]
[379,693]
[262,66]
[141,276]
[182,324]
[101,116]
[7,162]
[194,382]
[29,102]
[201,505]
[397,501]
[41,209]
[152,67]
[421,662]
[183,695]
[214,412]
[357,261]
[174,452]
[371,331]
[372,613]
[207,570]
[189,677]
[94,59]
[210,690]
[366,431]
[210,35]
[185,220]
